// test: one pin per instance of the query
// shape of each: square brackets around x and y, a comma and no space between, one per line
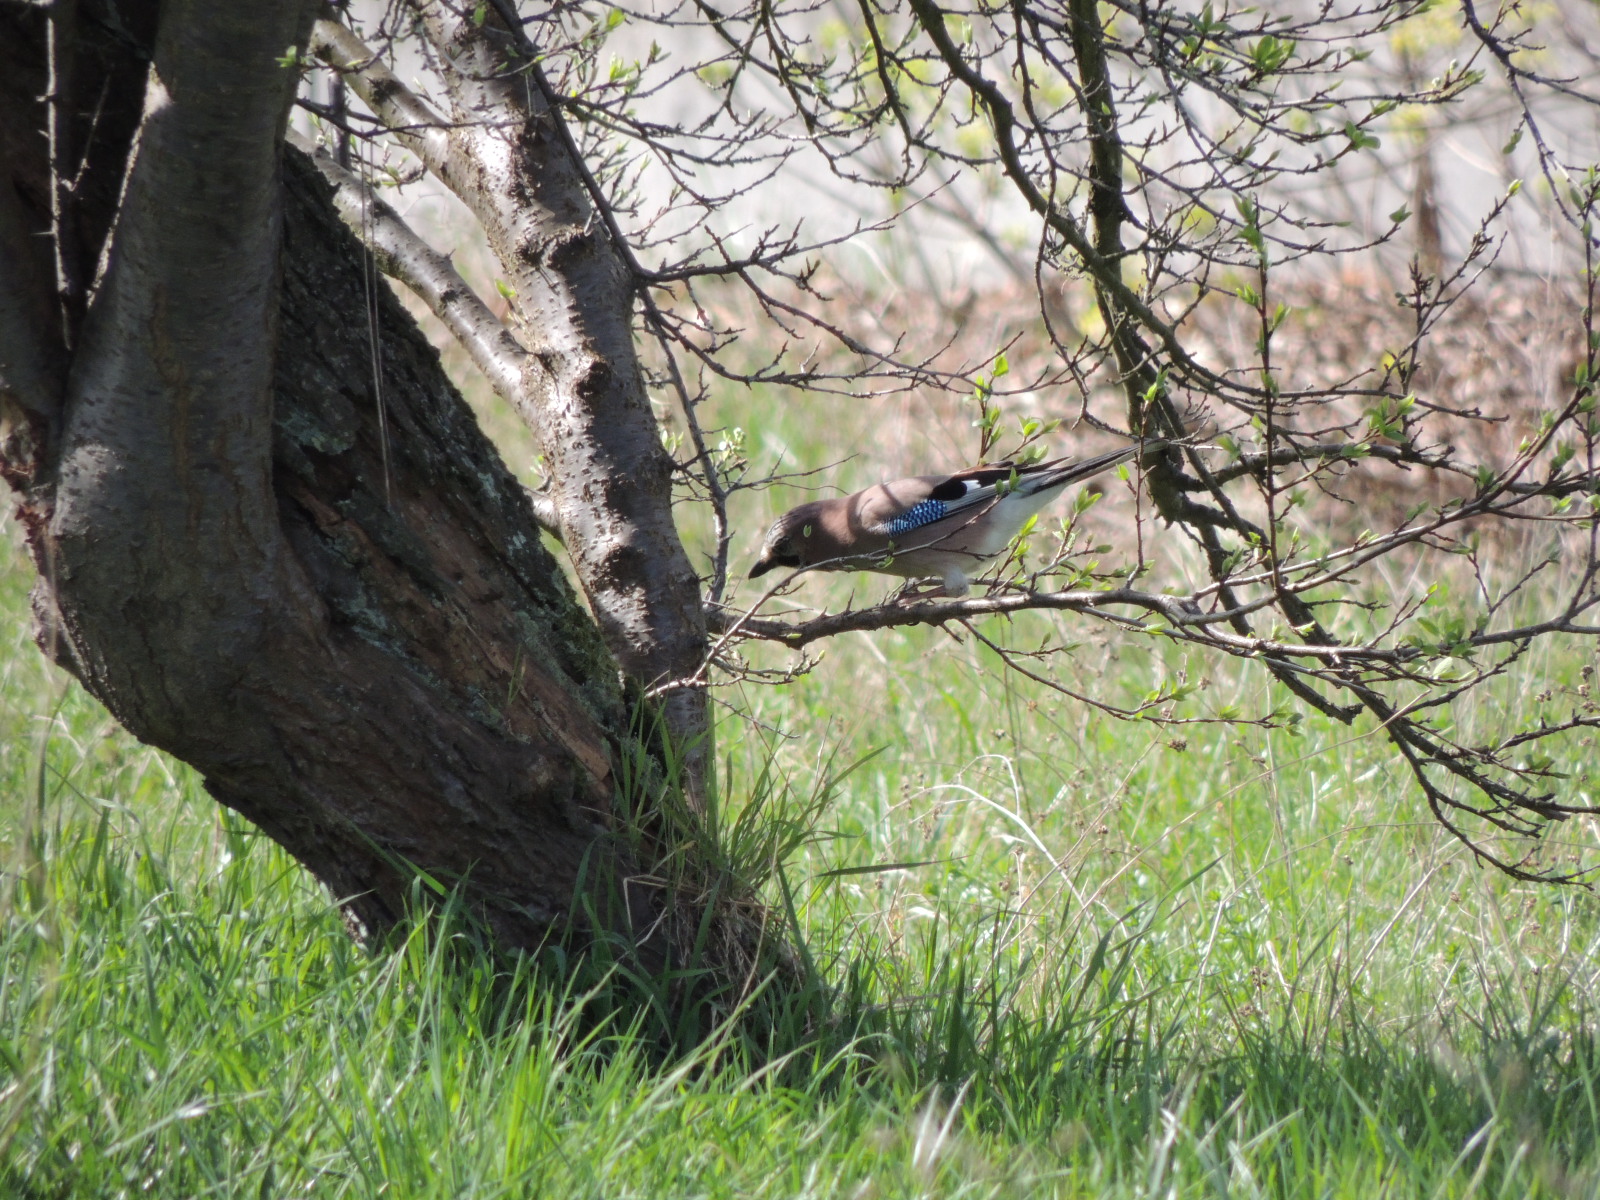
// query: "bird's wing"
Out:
[902,506]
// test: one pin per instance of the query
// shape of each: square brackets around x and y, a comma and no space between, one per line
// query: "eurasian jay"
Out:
[950,526]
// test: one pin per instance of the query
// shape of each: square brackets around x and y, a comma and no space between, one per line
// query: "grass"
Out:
[1075,957]
[1245,967]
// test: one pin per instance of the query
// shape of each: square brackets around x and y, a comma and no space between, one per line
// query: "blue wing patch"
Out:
[924,512]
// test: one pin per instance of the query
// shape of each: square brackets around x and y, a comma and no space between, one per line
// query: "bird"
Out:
[945,526]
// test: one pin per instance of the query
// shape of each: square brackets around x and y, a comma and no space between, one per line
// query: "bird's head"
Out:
[788,542]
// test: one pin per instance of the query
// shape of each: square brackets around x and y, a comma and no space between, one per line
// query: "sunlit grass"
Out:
[1074,957]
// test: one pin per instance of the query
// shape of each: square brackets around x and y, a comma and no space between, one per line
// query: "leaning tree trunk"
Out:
[325,592]
[505,150]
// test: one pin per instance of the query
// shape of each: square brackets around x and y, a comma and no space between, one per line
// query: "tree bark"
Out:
[502,151]
[279,551]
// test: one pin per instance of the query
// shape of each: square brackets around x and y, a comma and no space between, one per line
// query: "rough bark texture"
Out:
[344,618]
[582,391]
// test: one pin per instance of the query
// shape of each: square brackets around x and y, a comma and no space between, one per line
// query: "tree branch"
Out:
[505,154]
[404,256]
[413,120]
[166,449]
[433,278]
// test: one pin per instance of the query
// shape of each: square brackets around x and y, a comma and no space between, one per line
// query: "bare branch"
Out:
[403,112]
[400,253]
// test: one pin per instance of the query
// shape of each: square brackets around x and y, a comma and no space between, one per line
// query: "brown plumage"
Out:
[949,526]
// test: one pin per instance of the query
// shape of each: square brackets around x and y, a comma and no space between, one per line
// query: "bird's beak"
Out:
[763,565]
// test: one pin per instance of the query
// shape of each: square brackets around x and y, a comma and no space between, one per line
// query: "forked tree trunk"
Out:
[332,602]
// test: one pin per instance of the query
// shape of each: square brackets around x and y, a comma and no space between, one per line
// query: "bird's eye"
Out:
[785,554]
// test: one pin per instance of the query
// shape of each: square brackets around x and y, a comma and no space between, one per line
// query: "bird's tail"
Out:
[1053,476]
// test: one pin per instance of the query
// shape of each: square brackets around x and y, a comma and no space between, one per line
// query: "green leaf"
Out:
[1270,53]
[1360,139]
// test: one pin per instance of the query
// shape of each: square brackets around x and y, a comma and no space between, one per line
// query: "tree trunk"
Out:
[277,550]
[506,153]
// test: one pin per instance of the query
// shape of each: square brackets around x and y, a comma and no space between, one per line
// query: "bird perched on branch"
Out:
[949,526]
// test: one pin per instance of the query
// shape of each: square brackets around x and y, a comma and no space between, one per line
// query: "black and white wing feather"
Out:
[894,510]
